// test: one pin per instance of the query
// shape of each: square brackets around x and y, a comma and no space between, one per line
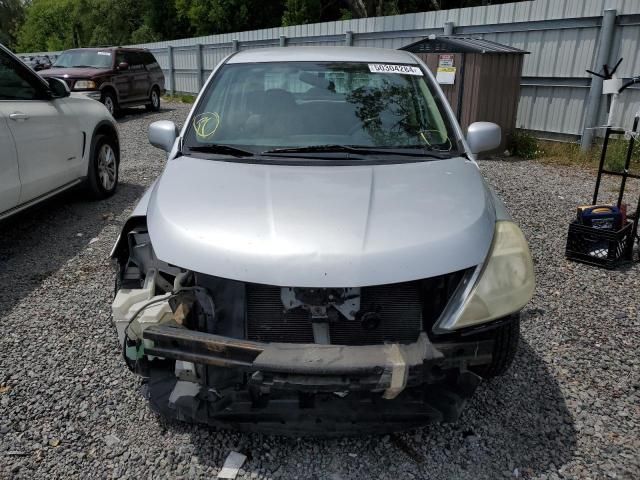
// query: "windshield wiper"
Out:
[221,149]
[418,150]
[315,149]
[415,151]
[84,66]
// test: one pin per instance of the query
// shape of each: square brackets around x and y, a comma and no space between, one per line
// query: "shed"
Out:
[480,78]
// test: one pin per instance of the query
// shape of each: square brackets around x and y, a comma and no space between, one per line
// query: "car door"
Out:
[123,79]
[47,140]
[139,75]
[9,174]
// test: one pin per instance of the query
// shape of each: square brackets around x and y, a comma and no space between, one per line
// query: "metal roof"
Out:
[459,44]
[322,54]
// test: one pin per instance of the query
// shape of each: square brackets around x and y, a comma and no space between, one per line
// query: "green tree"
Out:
[299,12]
[162,22]
[11,15]
[61,24]
[208,17]
[48,25]
[109,22]
[373,8]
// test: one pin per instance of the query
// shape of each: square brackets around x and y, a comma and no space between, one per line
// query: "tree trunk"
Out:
[358,8]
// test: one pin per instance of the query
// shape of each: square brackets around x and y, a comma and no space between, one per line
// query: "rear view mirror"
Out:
[483,136]
[123,66]
[163,134]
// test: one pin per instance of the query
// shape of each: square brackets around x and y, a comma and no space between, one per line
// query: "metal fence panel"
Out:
[562,35]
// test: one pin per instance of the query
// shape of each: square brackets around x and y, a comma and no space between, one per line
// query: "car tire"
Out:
[154,100]
[505,346]
[109,100]
[102,176]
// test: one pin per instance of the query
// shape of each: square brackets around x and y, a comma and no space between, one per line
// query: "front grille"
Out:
[398,305]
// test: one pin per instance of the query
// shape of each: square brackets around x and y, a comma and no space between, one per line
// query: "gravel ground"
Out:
[569,407]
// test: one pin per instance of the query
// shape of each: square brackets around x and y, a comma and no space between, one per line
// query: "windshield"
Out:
[84,58]
[265,106]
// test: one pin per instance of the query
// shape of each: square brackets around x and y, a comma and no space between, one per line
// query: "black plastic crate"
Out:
[604,248]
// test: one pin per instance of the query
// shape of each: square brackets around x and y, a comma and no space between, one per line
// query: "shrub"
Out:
[523,144]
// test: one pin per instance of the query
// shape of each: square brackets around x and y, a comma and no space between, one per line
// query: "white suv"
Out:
[51,140]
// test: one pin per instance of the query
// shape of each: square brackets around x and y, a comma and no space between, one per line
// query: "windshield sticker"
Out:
[401,69]
[108,54]
[206,124]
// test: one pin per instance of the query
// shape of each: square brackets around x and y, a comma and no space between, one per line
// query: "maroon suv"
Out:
[118,77]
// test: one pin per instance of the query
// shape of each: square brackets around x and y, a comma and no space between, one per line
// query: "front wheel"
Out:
[505,346]
[109,101]
[154,100]
[102,177]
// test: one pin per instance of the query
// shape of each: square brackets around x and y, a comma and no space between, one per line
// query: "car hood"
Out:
[321,226]
[73,72]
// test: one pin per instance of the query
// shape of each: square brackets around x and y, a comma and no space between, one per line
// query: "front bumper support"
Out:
[387,368]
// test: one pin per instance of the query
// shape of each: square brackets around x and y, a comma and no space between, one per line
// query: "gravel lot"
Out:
[569,407]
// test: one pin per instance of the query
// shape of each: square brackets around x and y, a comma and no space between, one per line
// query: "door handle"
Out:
[18,116]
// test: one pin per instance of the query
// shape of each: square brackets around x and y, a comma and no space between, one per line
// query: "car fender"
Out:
[137,217]
[111,86]
[153,85]
[90,117]
[501,210]
[102,127]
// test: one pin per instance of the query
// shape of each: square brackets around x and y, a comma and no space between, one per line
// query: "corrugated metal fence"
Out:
[563,36]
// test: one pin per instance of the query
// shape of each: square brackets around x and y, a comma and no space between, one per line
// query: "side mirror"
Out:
[123,66]
[163,134]
[483,136]
[58,88]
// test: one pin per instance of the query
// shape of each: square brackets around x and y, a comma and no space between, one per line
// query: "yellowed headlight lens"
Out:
[507,281]
[84,85]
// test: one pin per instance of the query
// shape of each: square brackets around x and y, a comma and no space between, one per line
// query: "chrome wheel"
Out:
[155,99]
[107,167]
[108,102]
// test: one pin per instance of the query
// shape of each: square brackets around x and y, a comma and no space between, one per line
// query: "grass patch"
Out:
[525,145]
[180,98]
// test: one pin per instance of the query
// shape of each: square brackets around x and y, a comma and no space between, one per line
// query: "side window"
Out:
[150,61]
[120,58]
[134,60]
[15,83]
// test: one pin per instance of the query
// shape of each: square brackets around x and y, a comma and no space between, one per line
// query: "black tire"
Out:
[505,346]
[154,100]
[95,183]
[109,100]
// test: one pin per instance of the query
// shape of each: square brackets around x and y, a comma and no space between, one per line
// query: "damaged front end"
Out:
[291,360]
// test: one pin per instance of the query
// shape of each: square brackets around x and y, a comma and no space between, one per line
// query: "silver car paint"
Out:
[448,250]
[321,226]
[327,54]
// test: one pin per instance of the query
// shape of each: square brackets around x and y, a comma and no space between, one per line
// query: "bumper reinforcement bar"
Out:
[384,367]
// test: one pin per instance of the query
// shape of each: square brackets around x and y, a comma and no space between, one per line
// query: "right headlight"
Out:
[505,283]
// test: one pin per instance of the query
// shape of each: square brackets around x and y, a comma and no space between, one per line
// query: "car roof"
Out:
[323,54]
[102,49]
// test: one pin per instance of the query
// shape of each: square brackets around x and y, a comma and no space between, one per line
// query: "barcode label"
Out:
[388,68]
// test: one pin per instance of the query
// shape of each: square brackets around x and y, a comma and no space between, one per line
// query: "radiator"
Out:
[398,305]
